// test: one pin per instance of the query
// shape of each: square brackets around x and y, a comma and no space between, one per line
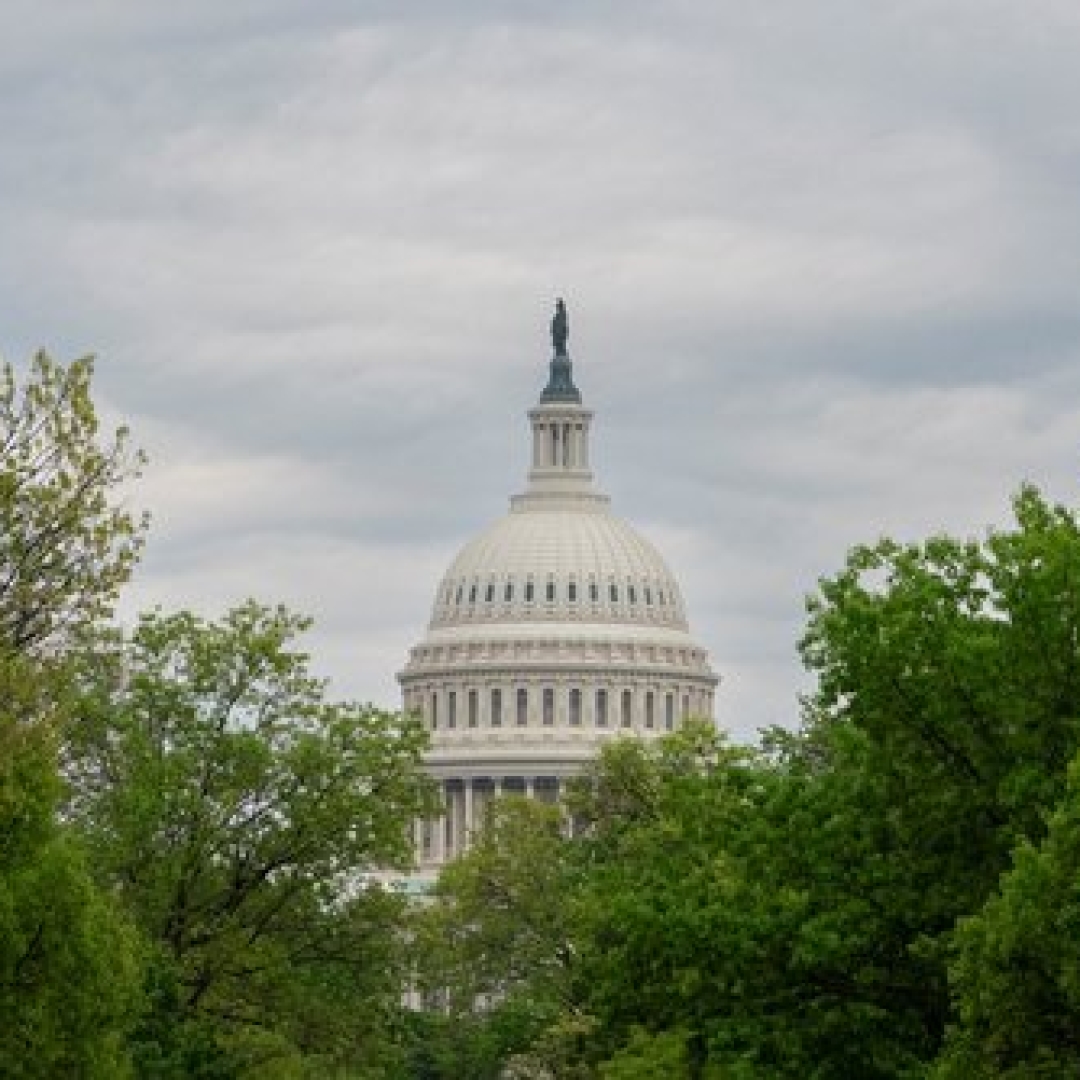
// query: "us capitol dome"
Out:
[556,628]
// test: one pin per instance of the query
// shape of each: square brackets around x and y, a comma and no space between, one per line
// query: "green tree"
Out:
[66,542]
[949,695]
[680,936]
[1016,967]
[236,812]
[68,961]
[493,948]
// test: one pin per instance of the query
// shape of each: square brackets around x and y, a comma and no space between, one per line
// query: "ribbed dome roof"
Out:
[566,563]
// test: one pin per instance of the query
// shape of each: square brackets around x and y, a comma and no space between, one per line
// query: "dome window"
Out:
[575,708]
[529,590]
[457,597]
[627,708]
[648,596]
[434,711]
[472,593]
[549,707]
[631,593]
[490,594]
[613,592]
[669,712]
[451,709]
[496,708]
[594,592]
[601,708]
[650,709]
[522,707]
[474,708]
[508,594]
[571,592]
[550,591]
[662,600]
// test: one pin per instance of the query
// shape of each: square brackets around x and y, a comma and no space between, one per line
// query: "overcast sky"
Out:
[821,258]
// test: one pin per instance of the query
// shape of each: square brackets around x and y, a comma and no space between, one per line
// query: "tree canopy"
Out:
[68,956]
[67,541]
[237,813]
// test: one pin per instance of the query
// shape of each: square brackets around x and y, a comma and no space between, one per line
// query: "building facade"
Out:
[556,628]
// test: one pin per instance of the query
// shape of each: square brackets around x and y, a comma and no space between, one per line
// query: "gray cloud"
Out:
[820,259]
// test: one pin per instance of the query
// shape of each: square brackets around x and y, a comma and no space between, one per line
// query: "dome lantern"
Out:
[560,426]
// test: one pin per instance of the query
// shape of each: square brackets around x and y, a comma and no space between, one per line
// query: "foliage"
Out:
[493,946]
[66,545]
[236,812]
[1016,971]
[949,692]
[958,661]
[68,959]
[650,1057]
[498,921]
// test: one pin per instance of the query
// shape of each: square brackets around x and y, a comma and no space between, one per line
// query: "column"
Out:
[450,824]
[418,839]
[438,839]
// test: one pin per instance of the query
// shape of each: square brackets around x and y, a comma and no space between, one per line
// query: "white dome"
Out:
[556,628]
[561,564]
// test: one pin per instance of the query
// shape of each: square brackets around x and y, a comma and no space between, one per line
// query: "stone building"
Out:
[557,627]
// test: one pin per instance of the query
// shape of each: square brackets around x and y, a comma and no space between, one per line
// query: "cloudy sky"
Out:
[822,260]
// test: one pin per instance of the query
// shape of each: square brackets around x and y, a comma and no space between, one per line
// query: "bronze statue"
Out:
[560,329]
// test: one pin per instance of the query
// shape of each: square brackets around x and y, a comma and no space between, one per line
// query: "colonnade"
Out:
[464,801]
[560,444]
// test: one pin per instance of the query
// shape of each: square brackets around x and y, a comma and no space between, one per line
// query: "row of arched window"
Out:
[609,708]
[465,592]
